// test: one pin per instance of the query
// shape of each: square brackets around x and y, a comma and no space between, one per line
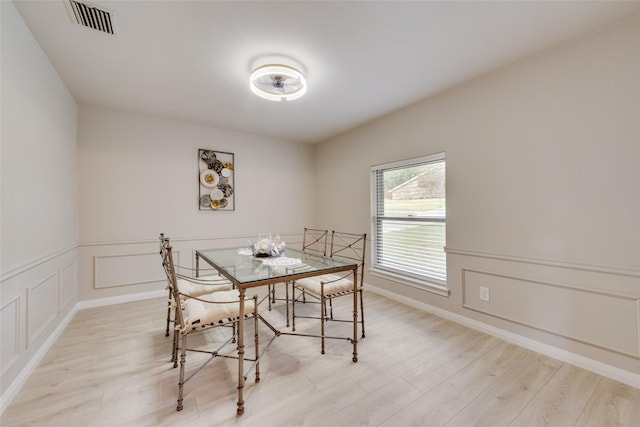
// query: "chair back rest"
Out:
[166,253]
[164,247]
[164,242]
[315,241]
[350,246]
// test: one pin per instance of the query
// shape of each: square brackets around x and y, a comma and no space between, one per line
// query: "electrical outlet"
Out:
[484,293]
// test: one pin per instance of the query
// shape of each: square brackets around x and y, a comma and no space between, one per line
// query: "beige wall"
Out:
[38,253]
[543,204]
[138,176]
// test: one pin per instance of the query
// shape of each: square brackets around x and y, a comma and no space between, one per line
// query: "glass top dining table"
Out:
[247,271]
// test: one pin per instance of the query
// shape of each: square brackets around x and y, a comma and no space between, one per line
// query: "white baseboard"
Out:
[31,366]
[600,368]
[101,302]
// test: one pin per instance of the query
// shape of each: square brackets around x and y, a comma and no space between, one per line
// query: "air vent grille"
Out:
[92,16]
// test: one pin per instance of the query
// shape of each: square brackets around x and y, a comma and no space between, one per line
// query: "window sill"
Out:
[414,283]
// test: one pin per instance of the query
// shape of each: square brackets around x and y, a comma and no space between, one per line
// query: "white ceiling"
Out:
[190,60]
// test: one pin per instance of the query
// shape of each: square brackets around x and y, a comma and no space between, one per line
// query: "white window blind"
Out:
[409,218]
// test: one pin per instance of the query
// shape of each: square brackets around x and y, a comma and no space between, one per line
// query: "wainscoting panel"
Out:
[113,269]
[604,319]
[42,306]
[638,327]
[68,284]
[128,269]
[38,298]
[10,328]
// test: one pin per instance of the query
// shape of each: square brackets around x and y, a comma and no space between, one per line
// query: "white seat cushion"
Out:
[199,313]
[312,284]
[195,289]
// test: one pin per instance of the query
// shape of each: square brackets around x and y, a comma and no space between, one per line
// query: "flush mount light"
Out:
[278,82]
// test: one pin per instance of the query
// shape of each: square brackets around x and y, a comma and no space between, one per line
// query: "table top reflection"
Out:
[246,270]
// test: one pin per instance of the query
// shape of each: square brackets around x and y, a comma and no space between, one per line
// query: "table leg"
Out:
[355,316]
[241,352]
[286,292]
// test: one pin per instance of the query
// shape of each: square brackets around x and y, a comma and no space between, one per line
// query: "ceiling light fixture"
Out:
[277,82]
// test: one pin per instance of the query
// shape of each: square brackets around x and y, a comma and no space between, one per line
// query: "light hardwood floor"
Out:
[111,368]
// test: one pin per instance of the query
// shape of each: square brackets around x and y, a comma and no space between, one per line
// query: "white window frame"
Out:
[426,282]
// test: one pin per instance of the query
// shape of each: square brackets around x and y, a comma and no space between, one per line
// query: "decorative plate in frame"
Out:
[216,181]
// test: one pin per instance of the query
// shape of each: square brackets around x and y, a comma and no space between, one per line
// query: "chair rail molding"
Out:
[618,270]
[37,261]
[244,237]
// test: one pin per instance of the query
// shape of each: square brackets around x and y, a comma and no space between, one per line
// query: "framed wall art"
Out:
[216,180]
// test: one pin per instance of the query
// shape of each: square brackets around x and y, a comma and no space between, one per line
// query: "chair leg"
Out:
[233,331]
[183,358]
[174,352]
[361,312]
[286,296]
[168,314]
[293,307]
[323,309]
[257,340]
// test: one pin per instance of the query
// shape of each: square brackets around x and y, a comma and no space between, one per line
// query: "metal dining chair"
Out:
[189,285]
[324,289]
[314,241]
[198,314]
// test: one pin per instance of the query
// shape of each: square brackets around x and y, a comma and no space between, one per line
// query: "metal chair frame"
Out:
[343,245]
[314,241]
[180,342]
[214,284]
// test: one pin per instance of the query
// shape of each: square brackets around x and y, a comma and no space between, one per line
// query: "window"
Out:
[409,219]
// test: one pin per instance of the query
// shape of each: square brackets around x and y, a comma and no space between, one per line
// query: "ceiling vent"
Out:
[92,16]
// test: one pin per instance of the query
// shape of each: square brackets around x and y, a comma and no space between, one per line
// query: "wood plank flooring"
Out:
[111,368]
